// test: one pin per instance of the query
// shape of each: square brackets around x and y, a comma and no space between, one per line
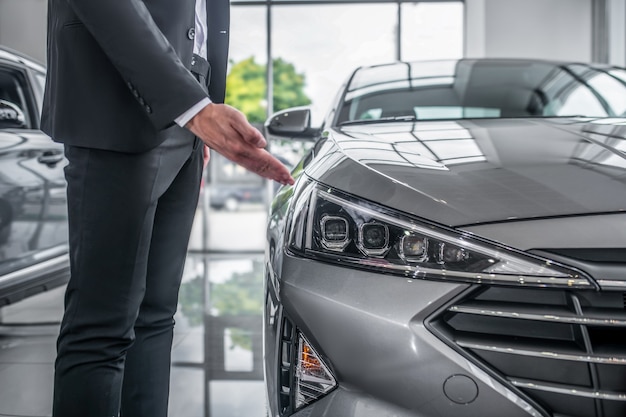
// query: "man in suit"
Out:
[133,99]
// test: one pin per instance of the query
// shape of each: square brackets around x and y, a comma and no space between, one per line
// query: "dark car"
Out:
[231,187]
[230,196]
[33,207]
[454,245]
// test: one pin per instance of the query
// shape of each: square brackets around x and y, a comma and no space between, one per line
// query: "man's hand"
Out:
[227,131]
[206,155]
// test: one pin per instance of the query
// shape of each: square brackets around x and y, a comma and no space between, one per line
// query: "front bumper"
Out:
[370,330]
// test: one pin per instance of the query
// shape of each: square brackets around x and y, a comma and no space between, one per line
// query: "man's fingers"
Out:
[248,132]
[264,164]
[206,155]
[257,139]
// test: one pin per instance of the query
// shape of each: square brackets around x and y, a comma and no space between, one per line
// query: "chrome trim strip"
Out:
[569,390]
[612,360]
[56,263]
[503,390]
[611,285]
[560,318]
[460,276]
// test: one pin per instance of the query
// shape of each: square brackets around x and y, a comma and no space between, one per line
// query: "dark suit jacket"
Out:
[118,70]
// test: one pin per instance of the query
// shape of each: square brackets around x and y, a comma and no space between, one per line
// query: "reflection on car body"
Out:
[454,245]
[33,207]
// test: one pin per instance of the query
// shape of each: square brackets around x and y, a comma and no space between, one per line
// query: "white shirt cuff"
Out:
[189,114]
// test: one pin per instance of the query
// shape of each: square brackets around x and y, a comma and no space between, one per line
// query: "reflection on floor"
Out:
[217,357]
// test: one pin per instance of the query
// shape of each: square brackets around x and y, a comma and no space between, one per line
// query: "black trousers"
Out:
[130,217]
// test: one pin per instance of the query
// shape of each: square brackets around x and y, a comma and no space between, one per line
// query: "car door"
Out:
[33,206]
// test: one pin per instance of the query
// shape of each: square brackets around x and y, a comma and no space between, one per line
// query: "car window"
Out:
[478,89]
[14,94]
[580,100]
[612,90]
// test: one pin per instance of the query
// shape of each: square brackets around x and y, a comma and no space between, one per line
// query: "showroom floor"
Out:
[217,353]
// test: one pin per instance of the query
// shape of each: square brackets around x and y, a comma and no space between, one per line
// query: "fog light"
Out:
[313,378]
[335,234]
[373,238]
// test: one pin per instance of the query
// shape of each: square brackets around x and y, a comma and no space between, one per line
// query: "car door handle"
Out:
[50,158]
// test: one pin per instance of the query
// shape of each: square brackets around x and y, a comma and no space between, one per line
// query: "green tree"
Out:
[288,86]
[246,87]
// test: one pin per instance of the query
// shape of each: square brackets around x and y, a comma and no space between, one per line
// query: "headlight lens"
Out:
[332,226]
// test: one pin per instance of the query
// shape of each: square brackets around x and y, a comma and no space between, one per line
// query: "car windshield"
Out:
[483,89]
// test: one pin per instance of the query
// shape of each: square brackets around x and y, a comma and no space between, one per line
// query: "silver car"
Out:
[454,245]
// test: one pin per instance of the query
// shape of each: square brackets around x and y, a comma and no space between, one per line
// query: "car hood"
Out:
[480,171]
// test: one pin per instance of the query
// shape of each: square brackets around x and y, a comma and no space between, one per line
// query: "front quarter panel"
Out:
[370,330]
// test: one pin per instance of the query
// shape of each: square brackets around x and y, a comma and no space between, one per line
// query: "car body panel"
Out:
[33,185]
[33,204]
[591,231]
[348,317]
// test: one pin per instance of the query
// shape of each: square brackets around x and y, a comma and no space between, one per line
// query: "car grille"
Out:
[564,350]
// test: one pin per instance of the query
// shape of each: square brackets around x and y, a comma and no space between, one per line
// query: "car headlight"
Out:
[332,226]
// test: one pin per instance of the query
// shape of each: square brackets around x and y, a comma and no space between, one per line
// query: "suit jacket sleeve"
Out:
[128,35]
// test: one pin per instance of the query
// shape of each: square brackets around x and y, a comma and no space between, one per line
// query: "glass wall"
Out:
[326,40]
[313,47]
[248,33]
[431,30]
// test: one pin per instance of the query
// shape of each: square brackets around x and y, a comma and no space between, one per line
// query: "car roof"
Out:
[485,59]
[370,78]
[15,57]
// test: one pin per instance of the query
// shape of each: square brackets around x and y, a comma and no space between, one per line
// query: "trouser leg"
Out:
[113,202]
[147,372]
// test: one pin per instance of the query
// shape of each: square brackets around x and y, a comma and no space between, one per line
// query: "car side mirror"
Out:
[293,123]
[11,116]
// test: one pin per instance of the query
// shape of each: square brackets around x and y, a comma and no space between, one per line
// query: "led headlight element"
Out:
[335,227]
[413,248]
[373,238]
[335,234]
[451,254]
